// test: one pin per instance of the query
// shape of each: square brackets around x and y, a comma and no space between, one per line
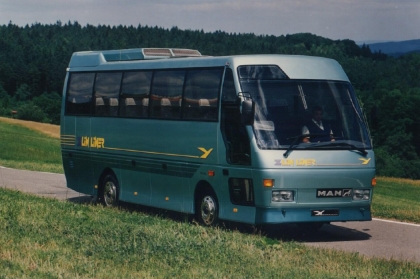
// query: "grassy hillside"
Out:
[47,129]
[30,145]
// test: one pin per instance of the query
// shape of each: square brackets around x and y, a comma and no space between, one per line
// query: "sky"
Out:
[358,20]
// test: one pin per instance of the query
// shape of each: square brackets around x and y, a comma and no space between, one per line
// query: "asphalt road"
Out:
[378,238]
[39,183]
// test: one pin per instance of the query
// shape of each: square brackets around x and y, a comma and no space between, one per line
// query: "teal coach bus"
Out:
[258,139]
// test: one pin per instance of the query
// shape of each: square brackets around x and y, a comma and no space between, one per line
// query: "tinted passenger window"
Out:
[107,89]
[165,99]
[135,94]
[79,94]
[201,93]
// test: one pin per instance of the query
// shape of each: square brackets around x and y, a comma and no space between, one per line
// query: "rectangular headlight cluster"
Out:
[282,196]
[361,195]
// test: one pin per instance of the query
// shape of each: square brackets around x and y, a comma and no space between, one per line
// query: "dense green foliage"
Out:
[33,60]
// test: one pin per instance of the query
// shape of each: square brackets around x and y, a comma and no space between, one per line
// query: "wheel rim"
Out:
[110,193]
[208,210]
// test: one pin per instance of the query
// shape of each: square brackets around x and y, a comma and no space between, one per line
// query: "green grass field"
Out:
[25,148]
[397,199]
[47,238]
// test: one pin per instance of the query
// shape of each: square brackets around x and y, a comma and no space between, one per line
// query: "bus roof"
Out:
[294,66]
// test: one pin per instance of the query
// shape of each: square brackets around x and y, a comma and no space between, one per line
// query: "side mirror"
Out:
[247,112]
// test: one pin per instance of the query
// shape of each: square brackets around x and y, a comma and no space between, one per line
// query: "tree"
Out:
[31,112]
[50,104]
[33,61]
[23,93]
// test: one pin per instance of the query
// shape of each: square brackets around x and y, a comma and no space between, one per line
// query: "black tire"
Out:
[207,209]
[109,191]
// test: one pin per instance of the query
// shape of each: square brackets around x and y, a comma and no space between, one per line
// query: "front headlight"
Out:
[282,196]
[361,195]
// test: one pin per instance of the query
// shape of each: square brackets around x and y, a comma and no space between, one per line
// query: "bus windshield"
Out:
[304,114]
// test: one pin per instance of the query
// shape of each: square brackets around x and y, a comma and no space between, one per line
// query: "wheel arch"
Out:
[201,188]
[105,172]
[206,204]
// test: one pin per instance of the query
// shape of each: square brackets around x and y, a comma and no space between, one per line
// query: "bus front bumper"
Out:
[315,214]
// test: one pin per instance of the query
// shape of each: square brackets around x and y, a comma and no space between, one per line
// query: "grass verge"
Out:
[46,238]
[45,128]
[397,199]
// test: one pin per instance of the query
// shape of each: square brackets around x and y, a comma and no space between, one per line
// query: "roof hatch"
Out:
[94,58]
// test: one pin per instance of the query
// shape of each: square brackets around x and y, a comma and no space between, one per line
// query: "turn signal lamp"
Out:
[210,173]
[268,182]
[374,181]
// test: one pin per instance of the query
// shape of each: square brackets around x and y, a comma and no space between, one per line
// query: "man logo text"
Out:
[333,193]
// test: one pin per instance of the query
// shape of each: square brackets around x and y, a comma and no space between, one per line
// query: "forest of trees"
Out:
[33,62]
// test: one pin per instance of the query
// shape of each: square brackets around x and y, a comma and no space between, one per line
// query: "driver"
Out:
[317,129]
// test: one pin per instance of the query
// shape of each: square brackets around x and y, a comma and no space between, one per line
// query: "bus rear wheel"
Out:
[109,191]
[207,209]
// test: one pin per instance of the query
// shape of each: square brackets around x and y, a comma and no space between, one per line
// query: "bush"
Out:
[391,165]
[50,104]
[31,112]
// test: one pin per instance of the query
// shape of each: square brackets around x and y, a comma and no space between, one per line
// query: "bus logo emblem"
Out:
[205,152]
[333,193]
[94,142]
[326,212]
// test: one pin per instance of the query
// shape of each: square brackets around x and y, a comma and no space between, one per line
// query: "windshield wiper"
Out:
[353,147]
[331,143]
[296,139]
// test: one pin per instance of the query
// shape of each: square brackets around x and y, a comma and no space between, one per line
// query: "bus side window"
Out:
[113,106]
[166,92]
[135,94]
[130,108]
[235,136]
[145,107]
[165,108]
[100,106]
[79,94]
[201,94]
[206,111]
[107,87]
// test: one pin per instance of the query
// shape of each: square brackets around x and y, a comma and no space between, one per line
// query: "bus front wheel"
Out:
[109,191]
[207,209]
